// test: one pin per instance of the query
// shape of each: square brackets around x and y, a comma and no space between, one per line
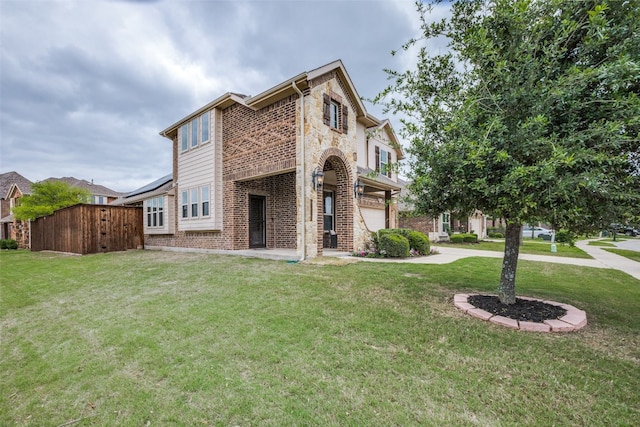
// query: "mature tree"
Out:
[48,196]
[533,114]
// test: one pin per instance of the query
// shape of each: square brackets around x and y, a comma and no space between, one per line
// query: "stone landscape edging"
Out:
[574,320]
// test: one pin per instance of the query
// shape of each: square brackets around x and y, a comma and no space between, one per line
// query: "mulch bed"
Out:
[522,310]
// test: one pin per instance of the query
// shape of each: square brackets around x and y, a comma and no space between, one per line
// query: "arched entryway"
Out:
[335,203]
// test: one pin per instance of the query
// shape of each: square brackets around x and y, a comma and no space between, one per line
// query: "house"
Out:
[301,166]
[439,227]
[12,187]
[157,199]
[100,195]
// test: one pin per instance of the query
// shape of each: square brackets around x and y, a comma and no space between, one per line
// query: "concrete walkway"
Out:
[448,254]
[611,260]
[602,258]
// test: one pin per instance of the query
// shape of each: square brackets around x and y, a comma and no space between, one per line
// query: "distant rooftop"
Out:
[151,186]
[95,189]
[7,179]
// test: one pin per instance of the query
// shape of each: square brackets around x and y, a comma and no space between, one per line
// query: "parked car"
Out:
[528,231]
[625,229]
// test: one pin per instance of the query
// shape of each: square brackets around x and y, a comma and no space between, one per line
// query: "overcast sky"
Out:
[86,86]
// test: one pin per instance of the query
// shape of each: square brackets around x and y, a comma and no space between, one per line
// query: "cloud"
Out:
[87,86]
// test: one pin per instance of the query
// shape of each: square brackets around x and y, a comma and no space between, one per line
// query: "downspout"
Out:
[303,204]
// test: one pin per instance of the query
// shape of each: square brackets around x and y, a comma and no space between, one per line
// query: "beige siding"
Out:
[380,138]
[197,168]
[374,218]
[168,220]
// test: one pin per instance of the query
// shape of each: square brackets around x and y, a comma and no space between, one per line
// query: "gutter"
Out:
[303,205]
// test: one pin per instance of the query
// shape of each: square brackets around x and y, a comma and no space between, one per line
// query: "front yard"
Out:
[529,246]
[154,338]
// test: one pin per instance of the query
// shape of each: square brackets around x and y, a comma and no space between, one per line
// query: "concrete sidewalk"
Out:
[602,258]
[611,260]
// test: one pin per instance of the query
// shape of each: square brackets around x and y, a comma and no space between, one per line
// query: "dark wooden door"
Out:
[257,222]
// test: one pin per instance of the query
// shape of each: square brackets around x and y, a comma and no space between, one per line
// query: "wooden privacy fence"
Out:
[89,229]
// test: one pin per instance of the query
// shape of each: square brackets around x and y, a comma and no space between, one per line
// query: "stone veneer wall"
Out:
[332,149]
[333,159]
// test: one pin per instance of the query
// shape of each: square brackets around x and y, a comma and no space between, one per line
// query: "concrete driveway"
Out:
[633,244]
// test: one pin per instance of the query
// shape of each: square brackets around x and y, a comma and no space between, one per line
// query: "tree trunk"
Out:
[507,291]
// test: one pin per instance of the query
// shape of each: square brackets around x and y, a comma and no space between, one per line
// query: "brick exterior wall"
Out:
[255,144]
[259,142]
[421,223]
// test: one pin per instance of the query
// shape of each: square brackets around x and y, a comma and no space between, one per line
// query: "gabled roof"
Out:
[94,189]
[281,90]
[385,125]
[8,179]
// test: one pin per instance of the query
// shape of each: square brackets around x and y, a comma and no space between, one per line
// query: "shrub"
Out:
[470,238]
[457,238]
[496,235]
[418,241]
[8,244]
[565,236]
[464,238]
[500,230]
[393,245]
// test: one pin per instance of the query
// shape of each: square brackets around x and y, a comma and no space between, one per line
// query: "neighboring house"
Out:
[301,166]
[157,199]
[100,195]
[437,228]
[12,187]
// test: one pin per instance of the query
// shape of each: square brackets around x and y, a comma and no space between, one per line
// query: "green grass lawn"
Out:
[602,243]
[633,255]
[156,338]
[529,246]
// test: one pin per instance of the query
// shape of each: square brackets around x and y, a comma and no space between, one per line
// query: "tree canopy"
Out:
[533,114]
[47,197]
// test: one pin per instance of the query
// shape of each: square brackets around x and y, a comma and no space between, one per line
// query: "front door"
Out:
[257,222]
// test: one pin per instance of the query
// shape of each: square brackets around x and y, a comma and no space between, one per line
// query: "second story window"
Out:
[335,114]
[184,137]
[195,132]
[204,128]
[383,161]
[334,109]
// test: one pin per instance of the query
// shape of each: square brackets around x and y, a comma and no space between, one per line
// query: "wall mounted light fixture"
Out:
[358,189]
[318,179]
